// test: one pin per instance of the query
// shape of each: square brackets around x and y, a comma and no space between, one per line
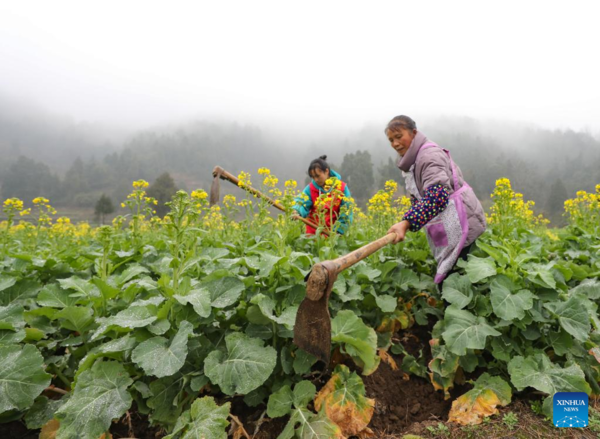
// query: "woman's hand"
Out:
[296,217]
[400,230]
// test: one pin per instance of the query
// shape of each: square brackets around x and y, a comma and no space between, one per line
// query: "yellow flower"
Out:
[199,194]
[140,184]
[329,182]
[264,171]
[291,184]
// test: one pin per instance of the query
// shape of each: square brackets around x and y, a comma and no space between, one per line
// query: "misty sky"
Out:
[335,63]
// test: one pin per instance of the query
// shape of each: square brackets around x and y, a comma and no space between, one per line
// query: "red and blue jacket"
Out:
[305,206]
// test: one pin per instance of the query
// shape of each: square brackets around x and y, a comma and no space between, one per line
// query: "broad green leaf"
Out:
[303,361]
[465,331]
[55,297]
[494,252]
[367,273]
[129,273]
[246,365]
[159,358]
[267,263]
[508,305]
[589,288]
[109,349]
[108,291]
[540,373]
[224,292]
[11,317]
[481,401]
[132,317]
[267,308]
[76,318]
[458,290]
[7,282]
[560,341]
[573,317]
[22,377]
[205,420]
[479,269]
[163,400]
[42,411]
[358,339]
[100,396]
[199,299]
[386,303]
[20,292]
[304,424]
[541,275]
[280,402]
[304,392]
[8,336]
[84,288]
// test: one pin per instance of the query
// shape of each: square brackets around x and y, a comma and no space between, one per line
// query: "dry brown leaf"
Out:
[469,411]
[237,428]
[50,429]
[387,358]
[345,403]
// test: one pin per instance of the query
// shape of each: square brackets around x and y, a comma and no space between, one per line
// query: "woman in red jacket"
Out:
[336,209]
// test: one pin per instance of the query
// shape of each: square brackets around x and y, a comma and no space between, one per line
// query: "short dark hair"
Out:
[400,122]
[320,163]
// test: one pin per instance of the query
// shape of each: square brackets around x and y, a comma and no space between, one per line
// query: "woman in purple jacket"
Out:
[443,202]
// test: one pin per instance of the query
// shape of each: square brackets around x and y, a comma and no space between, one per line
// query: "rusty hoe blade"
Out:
[312,331]
[215,186]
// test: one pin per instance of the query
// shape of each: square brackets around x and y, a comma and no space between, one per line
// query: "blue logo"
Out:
[570,409]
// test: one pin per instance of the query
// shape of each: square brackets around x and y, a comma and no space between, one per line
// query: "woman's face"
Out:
[320,176]
[401,139]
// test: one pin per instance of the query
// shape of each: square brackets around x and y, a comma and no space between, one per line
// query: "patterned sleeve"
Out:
[429,206]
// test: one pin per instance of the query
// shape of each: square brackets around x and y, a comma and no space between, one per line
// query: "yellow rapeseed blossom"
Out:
[199,194]
[584,209]
[292,184]
[140,184]
[244,179]
[13,203]
[264,171]
[229,200]
[270,181]
[509,206]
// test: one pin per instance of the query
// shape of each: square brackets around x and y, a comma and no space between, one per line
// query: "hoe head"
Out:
[215,186]
[312,331]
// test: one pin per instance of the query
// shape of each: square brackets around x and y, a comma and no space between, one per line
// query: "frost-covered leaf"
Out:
[108,349]
[246,365]
[224,292]
[75,318]
[205,420]
[129,273]
[83,288]
[132,317]
[19,292]
[199,298]
[54,296]
[280,402]
[22,377]
[42,411]
[163,401]
[100,396]
[11,317]
[160,358]
[481,401]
